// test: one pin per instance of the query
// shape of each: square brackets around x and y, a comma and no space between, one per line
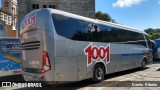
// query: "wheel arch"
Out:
[101,63]
[145,59]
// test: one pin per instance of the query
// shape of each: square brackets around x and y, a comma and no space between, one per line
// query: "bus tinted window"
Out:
[85,31]
[119,35]
[68,27]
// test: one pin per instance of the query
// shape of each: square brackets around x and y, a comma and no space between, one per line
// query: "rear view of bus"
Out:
[36,63]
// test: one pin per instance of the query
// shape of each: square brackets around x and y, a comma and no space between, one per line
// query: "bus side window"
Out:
[68,27]
[92,32]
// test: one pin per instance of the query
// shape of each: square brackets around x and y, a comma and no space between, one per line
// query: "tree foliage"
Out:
[104,16]
[153,33]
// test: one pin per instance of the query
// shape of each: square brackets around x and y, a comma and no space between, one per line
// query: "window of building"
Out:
[44,6]
[1,27]
[9,19]
[6,4]
[14,11]
[35,6]
[52,6]
[2,14]
[5,17]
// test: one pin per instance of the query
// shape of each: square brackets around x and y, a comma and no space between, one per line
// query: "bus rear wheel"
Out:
[143,64]
[99,73]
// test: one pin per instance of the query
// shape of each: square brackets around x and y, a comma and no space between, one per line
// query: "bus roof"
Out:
[93,20]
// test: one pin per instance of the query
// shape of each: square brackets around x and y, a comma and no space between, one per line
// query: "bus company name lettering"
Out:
[95,53]
[31,20]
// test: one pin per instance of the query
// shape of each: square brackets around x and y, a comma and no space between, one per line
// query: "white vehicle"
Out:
[58,46]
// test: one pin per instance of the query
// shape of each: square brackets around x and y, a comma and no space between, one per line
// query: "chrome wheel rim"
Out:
[99,73]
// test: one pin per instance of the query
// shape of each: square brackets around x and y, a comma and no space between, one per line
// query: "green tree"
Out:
[153,33]
[149,30]
[104,16]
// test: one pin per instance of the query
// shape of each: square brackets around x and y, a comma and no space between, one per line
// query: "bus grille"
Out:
[30,45]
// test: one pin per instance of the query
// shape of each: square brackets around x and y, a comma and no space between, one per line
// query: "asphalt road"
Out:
[126,80]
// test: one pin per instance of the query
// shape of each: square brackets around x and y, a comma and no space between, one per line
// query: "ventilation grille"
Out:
[30,45]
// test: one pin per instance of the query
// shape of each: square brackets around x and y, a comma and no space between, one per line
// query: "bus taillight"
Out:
[46,65]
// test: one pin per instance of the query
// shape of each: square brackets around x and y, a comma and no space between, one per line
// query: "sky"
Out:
[139,14]
[0,3]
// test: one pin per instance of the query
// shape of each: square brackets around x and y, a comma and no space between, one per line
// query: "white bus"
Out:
[58,46]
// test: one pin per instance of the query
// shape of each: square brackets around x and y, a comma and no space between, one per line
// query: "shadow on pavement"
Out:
[84,83]
[12,78]
[75,85]
[156,61]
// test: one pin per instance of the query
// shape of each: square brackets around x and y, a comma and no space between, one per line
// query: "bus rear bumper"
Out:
[30,77]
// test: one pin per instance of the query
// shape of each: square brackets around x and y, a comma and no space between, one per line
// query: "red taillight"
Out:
[46,65]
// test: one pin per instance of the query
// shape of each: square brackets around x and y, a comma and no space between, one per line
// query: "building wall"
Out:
[6,5]
[2,29]
[14,12]
[81,7]
[6,17]
[11,7]
[10,32]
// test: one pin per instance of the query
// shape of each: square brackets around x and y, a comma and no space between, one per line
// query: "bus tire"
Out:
[99,73]
[143,64]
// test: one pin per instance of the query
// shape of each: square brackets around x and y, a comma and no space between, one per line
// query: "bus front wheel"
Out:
[99,73]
